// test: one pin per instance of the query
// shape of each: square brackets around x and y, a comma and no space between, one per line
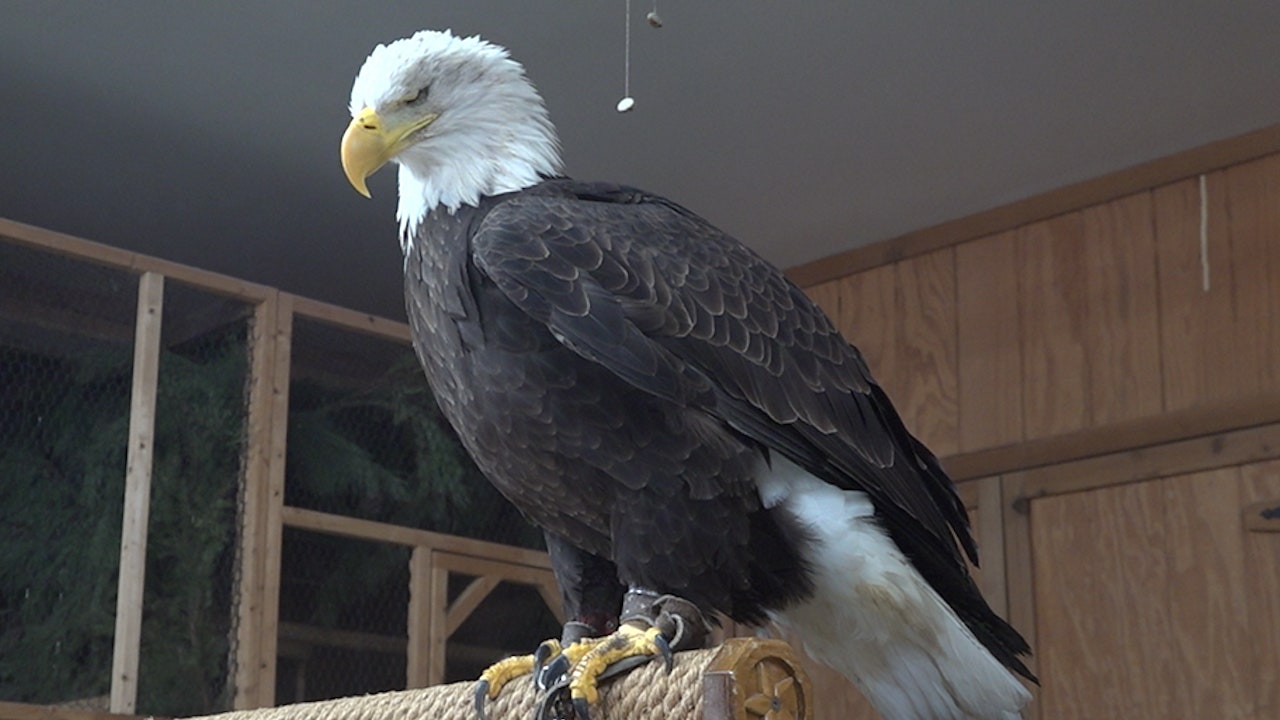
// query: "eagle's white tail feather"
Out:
[875,619]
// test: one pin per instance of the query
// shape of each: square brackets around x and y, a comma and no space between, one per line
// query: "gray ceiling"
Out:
[207,133]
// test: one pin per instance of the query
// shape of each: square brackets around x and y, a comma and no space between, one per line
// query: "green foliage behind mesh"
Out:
[62,463]
[380,451]
[383,452]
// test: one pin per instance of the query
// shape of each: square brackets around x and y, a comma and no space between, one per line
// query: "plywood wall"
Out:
[1145,594]
[1080,320]
[1153,601]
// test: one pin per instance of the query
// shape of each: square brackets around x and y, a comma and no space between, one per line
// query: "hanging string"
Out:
[627,102]
[1204,232]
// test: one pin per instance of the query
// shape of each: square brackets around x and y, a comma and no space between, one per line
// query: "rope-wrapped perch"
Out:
[742,679]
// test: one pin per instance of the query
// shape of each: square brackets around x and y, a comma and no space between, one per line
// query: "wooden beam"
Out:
[26,711]
[1210,452]
[1214,156]
[137,495]
[1203,420]
[550,592]
[100,254]
[398,535]
[347,639]
[472,565]
[468,601]
[351,319]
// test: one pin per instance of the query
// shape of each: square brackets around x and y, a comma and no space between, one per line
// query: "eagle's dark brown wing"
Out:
[679,309]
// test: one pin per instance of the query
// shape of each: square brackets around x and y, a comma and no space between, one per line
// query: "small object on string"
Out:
[655,21]
[627,102]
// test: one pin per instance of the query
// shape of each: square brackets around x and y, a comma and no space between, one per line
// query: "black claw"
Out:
[540,656]
[548,676]
[581,709]
[549,705]
[664,647]
[481,693]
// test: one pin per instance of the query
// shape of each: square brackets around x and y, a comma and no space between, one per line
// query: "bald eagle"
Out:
[689,429]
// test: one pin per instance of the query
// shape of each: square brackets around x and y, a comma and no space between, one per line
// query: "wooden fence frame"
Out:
[435,556]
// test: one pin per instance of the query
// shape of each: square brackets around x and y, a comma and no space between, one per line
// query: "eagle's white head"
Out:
[459,117]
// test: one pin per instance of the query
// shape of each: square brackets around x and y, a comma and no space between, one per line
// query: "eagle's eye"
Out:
[418,96]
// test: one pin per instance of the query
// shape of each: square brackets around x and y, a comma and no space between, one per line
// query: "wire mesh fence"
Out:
[66,338]
[186,642]
[364,440]
[512,620]
[343,617]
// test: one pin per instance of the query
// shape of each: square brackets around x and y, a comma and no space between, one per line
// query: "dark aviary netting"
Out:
[372,446]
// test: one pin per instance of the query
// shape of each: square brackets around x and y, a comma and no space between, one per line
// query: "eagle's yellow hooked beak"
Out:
[369,143]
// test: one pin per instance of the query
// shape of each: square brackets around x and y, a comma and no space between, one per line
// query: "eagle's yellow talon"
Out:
[627,642]
[550,652]
[504,671]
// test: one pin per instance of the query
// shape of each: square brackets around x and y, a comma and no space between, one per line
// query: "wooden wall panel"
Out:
[988,344]
[1122,328]
[1199,336]
[1109,313]
[866,317]
[1102,620]
[1144,597]
[1153,602]
[1223,342]
[1052,296]
[903,319]
[1261,482]
[1253,201]
[925,377]
[1212,673]
[827,296]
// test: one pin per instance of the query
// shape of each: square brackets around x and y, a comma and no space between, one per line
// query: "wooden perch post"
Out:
[744,678]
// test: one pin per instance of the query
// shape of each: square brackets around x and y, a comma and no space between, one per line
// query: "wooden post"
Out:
[417,674]
[991,544]
[437,637]
[137,494]
[253,519]
[274,537]
[259,591]
[1020,568]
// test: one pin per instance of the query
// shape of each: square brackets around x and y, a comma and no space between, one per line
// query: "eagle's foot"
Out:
[630,646]
[549,662]
[652,626]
